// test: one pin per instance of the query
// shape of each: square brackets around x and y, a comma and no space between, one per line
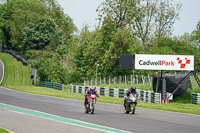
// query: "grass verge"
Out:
[171,106]
[3,131]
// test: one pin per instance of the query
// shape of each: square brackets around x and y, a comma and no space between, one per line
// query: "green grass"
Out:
[3,131]
[171,106]
[15,73]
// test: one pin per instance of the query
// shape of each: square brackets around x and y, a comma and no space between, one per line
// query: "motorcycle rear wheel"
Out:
[86,109]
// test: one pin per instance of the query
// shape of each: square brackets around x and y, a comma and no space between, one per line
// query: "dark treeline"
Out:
[41,32]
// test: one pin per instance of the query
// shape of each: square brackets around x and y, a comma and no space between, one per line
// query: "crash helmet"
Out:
[133,88]
[92,88]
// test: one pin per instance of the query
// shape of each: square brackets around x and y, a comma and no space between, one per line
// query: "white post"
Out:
[133,78]
[96,71]
[125,79]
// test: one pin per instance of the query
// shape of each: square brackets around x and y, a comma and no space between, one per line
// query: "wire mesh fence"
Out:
[136,79]
[126,79]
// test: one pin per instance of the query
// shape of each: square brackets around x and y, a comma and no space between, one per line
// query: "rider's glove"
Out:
[86,95]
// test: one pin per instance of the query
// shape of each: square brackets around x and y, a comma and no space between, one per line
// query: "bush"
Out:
[50,69]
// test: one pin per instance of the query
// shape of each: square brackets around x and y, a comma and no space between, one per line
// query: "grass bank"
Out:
[15,74]
[171,106]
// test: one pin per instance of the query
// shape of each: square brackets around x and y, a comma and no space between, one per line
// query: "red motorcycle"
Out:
[89,107]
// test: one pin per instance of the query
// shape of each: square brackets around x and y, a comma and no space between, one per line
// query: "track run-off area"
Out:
[29,113]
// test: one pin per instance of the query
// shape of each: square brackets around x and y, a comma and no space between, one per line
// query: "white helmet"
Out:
[92,88]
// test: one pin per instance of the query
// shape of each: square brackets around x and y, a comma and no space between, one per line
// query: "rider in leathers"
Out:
[128,92]
[88,92]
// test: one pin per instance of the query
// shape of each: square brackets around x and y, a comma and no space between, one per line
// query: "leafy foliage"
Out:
[63,21]
[147,19]
[195,37]
[21,13]
[98,47]
[5,15]
[40,34]
[18,16]
[50,69]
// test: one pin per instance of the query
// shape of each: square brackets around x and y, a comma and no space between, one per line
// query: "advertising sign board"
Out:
[164,62]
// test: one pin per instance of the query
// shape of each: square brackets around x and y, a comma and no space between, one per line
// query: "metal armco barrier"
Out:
[145,96]
[53,85]
[195,98]
[18,57]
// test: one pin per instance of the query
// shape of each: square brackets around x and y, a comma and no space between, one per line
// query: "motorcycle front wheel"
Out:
[133,106]
[92,109]
[126,110]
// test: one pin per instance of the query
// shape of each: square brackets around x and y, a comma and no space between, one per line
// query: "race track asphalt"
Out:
[113,116]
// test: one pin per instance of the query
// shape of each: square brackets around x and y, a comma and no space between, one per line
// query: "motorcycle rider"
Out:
[133,91]
[89,91]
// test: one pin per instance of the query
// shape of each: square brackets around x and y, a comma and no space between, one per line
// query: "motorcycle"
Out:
[89,107]
[131,104]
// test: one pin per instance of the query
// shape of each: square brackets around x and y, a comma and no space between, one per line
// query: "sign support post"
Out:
[163,85]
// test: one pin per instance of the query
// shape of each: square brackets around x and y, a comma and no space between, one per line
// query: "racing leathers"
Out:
[88,92]
[127,93]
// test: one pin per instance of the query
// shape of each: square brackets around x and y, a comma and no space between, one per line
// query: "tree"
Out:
[5,17]
[38,35]
[117,12]
[63,21]
[15,15]
[195,36]
[97,48]
[23,12]
[50,69]
[123,42]
[148,19]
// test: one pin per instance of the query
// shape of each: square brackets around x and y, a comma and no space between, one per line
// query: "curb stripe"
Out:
[61,119]
[2,71]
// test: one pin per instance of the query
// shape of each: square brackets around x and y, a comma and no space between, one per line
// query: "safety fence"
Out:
[145,96]
[126,79]
[195,98]
[53,85]
[132,80]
